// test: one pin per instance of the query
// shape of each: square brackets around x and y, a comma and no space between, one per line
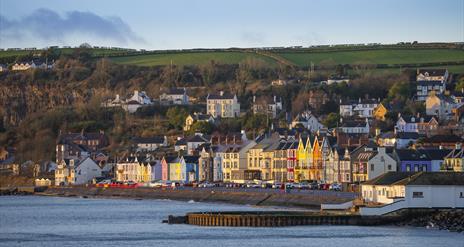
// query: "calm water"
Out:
[54,221]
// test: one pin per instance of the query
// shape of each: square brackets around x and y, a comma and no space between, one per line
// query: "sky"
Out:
[184,24]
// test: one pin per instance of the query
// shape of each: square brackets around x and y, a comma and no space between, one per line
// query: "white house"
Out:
[133,169]
[86,170]
[308,120]
[354,127]
[401,190]
[137,100]
[64,172]
[148,144]
[363,108]
[430,80]
[222,105]
[432,75]
[337,79]
[175,96]
[380,163]
[417,124]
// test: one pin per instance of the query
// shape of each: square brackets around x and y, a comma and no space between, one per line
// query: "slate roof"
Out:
[146,140]
[442,138]
[433,72]
[388,178]
[175,91]
[456,153]
[434,178]
[435,154]
[189,159]
[411,154]
[218,96]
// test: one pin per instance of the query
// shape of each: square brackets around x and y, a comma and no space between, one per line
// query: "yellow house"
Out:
[301,171]
[315,170]
[380,112]
[133,170]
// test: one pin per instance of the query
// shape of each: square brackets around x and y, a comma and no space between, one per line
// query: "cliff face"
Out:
[17,101]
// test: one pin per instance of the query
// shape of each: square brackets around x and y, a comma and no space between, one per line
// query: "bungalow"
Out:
[401,190]
[174,96]
[149,144]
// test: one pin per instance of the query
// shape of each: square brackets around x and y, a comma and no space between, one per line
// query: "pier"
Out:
[281,219]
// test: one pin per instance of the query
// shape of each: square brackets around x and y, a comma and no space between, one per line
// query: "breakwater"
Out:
[260,198]
[279,219]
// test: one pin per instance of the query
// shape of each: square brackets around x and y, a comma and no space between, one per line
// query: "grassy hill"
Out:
[380,56]
[193,58]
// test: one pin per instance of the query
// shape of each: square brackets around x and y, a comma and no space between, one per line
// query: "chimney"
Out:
[275,99]
[458,145]
[221,93]
[254,98]
[117,96]
[359,99]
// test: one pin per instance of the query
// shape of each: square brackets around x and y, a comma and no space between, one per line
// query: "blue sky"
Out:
[174,24]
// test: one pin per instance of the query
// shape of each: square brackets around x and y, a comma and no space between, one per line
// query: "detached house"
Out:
[308,121]
[441,106]
[197,117]
[429,80]
[354,126]
[74,172]
[223,105]
[174,96]
[418,124]
[148,144]
[363,108]
[137,100]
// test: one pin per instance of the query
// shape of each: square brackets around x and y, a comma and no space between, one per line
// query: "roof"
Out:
[196,138]
[181,142]
[429,83]
[411,154]
[388,178]
[154,139]
[435,154]
[170,159]
[432,72]
[456,153]
[415,119]
[220,96]
[442,138]
[191,159]
[434,178]
[175,91]
[353,123]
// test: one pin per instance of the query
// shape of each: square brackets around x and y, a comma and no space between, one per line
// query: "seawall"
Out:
[273,198]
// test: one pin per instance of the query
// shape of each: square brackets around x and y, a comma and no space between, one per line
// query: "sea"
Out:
[63,221]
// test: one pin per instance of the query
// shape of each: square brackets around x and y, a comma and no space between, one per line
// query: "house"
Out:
[270,106]
[359,162]
[35,63]
[380,163]
[436,156]
[80,145]
[363,108]
[167,163]
[430,80]
[86,170]
[398,139]
[197,117]
[354,126]
[292,161]
[223,105]
[233,158]
[381,111]
[411,160]
[423,190]
[7,162]
[441,106]
[180,144]
[137,100]
[205,162]
[64,172]
[337,79]
[174,96]
[193,142]
[149,144]
[432,75]
[134,169]
[454,161]
[156,170]
[351,139]
[418,124]
[308,121]
[190,168]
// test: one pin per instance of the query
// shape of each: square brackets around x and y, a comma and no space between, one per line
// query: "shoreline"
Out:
[255,199]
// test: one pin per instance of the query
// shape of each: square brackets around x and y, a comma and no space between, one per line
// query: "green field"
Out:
[95,52]
[380,56]
[193,58]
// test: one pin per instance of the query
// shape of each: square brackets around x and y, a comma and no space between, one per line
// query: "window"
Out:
[389,167]
[408,168]
[461,195]
[417,194]
[372,167]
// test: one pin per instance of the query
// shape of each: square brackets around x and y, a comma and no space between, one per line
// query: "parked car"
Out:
[324,186]
[302,186]
[335,187]
[206,185]
[277,185]
[313,186]
[290,185]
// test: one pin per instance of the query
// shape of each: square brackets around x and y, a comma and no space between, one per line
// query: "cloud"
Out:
[45,26]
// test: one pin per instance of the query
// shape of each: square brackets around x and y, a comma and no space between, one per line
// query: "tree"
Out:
[459,85]
[176,117]
[331,120]
[202,127]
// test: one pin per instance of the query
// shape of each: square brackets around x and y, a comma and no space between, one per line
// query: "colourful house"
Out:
[166,163]
[301,170]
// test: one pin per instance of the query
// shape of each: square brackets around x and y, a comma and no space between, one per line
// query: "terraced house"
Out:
[133,169]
